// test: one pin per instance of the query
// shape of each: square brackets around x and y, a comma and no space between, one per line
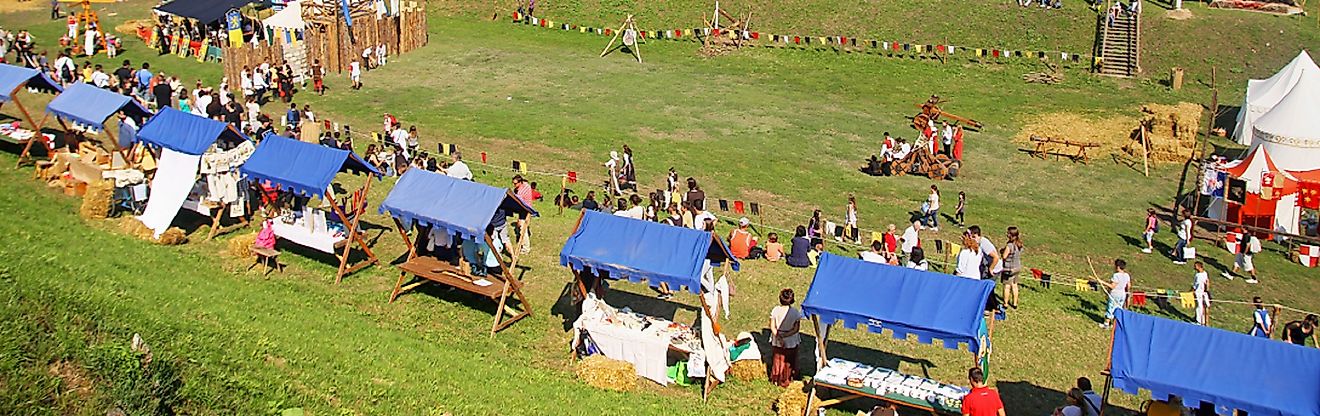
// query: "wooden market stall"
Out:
[605,246]
[308,169]
[440,217]
[84,111]
[905,302]
[12,79]
[1203,365]
[190,145]
[336,35]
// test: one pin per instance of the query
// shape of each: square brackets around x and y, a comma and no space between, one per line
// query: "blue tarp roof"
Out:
[642,250]
[456,205]
[1233,371]
[87,104]
[13,77]
[905,301]
[185,132]
[304,168]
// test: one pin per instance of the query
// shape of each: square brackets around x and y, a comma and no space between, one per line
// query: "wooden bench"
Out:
[268,257]
[1047,146]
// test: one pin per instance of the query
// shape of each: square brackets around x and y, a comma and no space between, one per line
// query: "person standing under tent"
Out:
[850,220]
[1152,227]
[1246,250]
[785,324]
[1262,324]
[981,400]
[1201,289]
[1012,255]
[1184,238]
[1118,286]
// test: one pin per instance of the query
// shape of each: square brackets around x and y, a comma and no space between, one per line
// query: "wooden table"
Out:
[1047,146]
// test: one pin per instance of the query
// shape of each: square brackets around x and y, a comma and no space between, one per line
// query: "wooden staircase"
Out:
[1118,45]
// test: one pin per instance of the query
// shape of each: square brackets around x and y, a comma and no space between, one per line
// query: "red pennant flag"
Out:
[897,47]
[483,157]
[1138,298]
[716,31]
[738,207]
[608,32]
[843,40]
[572,177]
[756,35]
[939,48]
[995,52]
[678,33]
[797,40]
[643,34]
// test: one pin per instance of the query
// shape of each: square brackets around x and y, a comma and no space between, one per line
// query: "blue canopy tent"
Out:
[614,247]
[904,301]
[186,133]
[1202,364]
[308,169]
[422,199]
[624,248]
[88,106]
[12,78]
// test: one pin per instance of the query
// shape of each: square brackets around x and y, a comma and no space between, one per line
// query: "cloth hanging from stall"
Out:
[648,354]
[175,174]
[714,354]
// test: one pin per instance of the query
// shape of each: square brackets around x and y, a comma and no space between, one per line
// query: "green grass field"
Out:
[786,128]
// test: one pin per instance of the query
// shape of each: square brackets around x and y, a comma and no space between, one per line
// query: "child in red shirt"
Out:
[982,400]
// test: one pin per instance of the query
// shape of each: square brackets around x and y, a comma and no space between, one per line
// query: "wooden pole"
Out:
[1145,150]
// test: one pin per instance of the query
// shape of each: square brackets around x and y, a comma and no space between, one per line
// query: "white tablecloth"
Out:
[175,175]
[647,352]
[301,235]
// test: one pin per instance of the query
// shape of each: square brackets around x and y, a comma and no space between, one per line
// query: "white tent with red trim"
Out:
[1264,94]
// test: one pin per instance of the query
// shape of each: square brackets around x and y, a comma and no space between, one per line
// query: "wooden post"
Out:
[1145,149]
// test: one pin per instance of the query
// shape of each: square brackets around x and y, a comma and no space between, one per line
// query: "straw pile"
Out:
[1112,133]
[604,373]
[172,236]
[131,27]
[241,245]
[1172,133]
[792,401]
[96,202]
[748,370]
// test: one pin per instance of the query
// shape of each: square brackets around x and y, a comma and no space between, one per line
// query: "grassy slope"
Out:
[777,126]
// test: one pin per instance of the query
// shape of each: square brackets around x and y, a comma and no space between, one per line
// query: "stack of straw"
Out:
[600,372]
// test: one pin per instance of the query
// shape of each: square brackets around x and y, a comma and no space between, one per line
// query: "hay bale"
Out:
[241,245]
[604,373]
[1173,129]
[172,236]
[130,27]
[1112,133]
[793,400]
[98,200]
[748,370]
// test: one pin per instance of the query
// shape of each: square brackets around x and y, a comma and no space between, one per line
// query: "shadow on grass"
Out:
[1089,308]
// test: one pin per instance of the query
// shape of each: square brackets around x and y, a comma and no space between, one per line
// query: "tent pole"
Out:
[27,148]
[820,360]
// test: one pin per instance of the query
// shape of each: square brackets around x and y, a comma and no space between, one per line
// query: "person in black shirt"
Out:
[164,94]
[1298,331]
[124,72]
[590,202]
[233,112]
[214,110]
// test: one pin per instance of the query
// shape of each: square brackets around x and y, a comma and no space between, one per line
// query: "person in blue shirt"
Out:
[1261,323]
[294,116]
[144,77]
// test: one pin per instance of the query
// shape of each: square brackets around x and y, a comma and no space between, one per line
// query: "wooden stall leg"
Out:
[398,286]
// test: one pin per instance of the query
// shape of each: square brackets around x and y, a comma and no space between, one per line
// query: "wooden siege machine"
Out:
[423,200]
[930,111]
[87,16]
[724,33]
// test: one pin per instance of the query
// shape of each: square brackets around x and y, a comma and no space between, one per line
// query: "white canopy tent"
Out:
[289,19]
[1291,130]
[1264,94]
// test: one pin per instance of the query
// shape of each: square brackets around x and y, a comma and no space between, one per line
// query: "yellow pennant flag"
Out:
[1188,299]
[1082,285]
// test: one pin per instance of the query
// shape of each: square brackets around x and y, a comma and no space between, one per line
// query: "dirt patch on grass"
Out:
[681,135]
[12,6]
[1110,132]
[73,379]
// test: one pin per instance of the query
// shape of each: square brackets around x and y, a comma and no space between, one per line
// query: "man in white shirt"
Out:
[65,68]
[400,138]
[910,238]
[947,136]
[699,221]
[100,78]
[459,169]
[1200,289]
[876,254]
[636,211]
[1118,288]
[988,253]
[1184,237]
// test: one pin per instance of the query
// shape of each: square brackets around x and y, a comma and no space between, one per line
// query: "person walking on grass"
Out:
[1012,255]
[1152,227]
[1118,288]
[1184,238]
[1201,289]
[850,220]
[958,212]
[355,73]
[1246,250]
[933,209]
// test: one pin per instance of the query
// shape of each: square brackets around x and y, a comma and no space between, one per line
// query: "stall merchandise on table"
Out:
[310,228]
[18,134]
[645,341]
[882,382]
